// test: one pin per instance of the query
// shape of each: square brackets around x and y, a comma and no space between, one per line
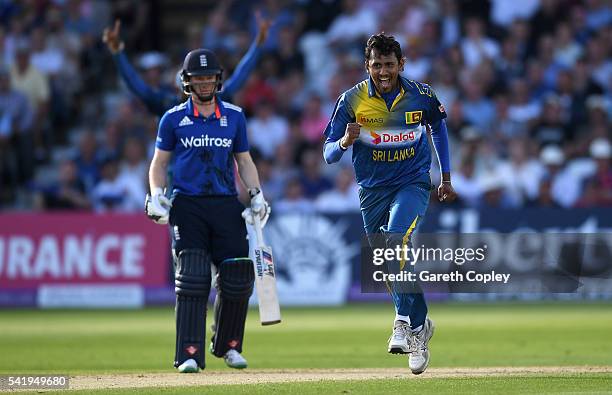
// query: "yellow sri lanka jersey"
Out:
[392,148]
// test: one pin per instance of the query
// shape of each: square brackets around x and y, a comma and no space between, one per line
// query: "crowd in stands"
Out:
[527,86]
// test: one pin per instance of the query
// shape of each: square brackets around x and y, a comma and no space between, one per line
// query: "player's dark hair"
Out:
[385,45]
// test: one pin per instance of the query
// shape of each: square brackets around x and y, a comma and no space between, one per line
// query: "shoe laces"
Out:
[419,341]
[401,331]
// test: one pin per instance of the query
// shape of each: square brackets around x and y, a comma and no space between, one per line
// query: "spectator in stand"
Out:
[450,23]
[565,186]
[159,98]
[504,12]
[112,139]
[598,117]
[414,20]
[546,57]
[598,187]
[287,53]
[523,110]
[535,79]
[545,197]
[494,193]
[272,10]
[293,200]
[416,66]
[112,193]
[49,61]
[466,183]
[313,120]
[598,14]
[478,109]
[274,186]
[28,80]
[216,35]
[344,198]
[285,164]
[445,86]
[520,173]
[266,129]
[67,193]
[552,128]
[313,182]
[350,27]
[87,160]
[509,64]
[60,69]
[475,46]
[520,31]
[583,86]
[546,18]
[256,89]
[133,172]
[505,129]
[598,58]
[15,135]
[567,50]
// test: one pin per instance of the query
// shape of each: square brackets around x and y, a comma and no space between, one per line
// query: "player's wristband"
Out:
[253,192]
[446,181]
[340,145]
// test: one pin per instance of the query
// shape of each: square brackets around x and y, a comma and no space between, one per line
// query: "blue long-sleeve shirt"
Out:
[160,100]
[392,148]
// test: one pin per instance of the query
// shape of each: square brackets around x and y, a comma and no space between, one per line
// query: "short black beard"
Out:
[205,99]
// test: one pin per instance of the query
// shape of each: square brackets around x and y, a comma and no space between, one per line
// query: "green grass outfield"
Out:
[595,384]
[80,342]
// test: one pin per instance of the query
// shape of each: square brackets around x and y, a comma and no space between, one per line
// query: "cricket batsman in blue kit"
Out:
[207,136]
[386,118]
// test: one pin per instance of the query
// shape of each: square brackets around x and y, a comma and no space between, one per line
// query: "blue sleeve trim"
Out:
[439,135]
[335,130]
[332,151]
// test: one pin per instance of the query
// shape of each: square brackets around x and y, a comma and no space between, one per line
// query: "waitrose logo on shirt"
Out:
[205,141]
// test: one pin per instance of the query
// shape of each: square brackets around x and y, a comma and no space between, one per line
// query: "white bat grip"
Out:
[258,232]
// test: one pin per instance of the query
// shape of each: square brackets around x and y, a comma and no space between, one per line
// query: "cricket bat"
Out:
[265,278]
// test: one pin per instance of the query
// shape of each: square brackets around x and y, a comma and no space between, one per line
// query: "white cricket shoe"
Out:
[233,359]
[419,355]
[399,342]
[189,366]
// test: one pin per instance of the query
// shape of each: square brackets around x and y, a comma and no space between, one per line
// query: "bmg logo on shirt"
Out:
[205,141]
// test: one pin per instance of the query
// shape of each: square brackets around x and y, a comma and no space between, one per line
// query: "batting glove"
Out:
[259,206]
[157,207]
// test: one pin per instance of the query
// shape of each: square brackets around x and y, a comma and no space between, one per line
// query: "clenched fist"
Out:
[446,192]
[351,134]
